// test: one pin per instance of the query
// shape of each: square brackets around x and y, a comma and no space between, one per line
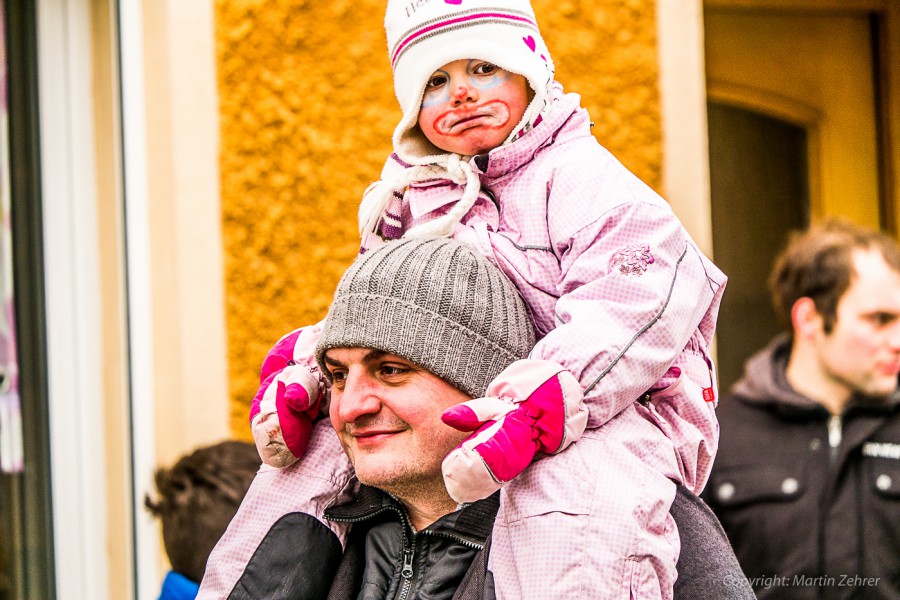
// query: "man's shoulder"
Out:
[710,568]
[737,410]
[743,428]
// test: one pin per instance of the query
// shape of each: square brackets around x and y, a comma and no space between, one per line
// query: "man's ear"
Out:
[806,319]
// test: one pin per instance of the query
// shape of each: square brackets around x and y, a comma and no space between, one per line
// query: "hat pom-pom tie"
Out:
[460,172]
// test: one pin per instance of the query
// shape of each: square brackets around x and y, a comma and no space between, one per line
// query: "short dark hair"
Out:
[818,264]
[197,498]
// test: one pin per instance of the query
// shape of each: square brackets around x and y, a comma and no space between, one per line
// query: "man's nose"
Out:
[358,398]
[464,93]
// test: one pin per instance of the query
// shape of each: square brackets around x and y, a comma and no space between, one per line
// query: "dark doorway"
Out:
[760,192]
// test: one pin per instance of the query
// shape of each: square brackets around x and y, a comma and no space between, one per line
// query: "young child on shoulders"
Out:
[491,151]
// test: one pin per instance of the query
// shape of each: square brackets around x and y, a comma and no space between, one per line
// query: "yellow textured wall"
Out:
[307,110]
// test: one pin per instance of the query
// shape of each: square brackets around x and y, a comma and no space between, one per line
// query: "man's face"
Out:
[862,352]
[387,414]
[471,106]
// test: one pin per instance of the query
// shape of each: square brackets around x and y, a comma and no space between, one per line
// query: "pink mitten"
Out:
[288,400]
[532,406]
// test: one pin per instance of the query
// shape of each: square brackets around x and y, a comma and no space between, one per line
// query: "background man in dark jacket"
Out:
[807,478]
[416,326]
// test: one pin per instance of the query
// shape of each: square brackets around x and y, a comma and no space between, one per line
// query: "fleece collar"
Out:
[765,383]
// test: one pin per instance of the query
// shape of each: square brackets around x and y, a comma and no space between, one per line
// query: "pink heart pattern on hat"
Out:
[529,41]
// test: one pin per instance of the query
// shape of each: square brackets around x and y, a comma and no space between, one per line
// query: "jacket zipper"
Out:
[835,435]
[362,518]
[407,571]
[409,546]
[409,552]
[464,542]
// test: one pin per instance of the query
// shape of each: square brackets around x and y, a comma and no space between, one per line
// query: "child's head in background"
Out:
[197,498]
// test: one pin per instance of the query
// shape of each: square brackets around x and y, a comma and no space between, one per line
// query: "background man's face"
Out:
[386,411]
[862,352]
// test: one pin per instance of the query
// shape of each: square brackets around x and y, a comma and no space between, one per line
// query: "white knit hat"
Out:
[424,35]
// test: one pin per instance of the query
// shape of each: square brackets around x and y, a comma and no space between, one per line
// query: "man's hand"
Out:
[532,406]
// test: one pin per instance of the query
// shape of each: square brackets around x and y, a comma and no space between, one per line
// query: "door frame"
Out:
[684,93]
[785,109]
[29,498]
[74,344]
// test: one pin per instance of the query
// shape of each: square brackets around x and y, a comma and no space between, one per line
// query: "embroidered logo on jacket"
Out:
[632,260]
[881,450]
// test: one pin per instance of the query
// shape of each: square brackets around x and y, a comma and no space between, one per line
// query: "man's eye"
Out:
[338,376]
[390,370]
[883,319]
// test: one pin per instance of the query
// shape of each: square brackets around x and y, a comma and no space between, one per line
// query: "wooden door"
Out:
[793,139]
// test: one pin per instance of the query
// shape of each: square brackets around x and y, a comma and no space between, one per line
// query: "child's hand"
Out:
[532,406]
[288,399]
[289,406]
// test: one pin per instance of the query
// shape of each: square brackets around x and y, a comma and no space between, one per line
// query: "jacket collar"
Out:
[472,522]
[765,383]
[178,587]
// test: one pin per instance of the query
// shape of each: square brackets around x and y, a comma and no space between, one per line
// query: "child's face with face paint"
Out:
[471,106]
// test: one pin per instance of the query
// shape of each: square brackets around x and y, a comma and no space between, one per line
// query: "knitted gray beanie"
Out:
[436,303]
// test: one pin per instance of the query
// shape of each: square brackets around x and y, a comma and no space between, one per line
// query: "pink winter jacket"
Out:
[620,296]
[619,292]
